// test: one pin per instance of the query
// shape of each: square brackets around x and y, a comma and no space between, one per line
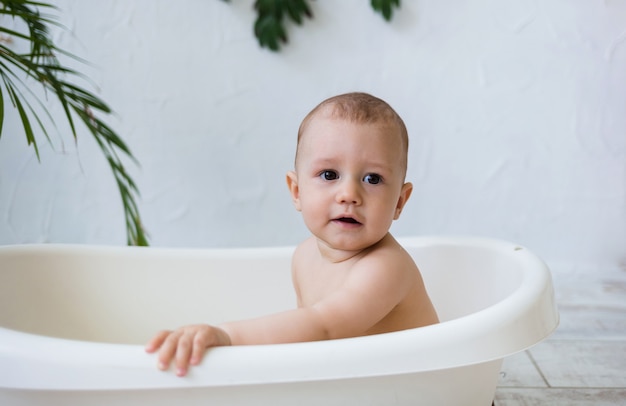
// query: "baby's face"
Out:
[350,179]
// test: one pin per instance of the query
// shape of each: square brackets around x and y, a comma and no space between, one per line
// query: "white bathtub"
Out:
[74,319]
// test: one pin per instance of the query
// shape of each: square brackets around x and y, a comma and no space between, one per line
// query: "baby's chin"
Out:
[354,246]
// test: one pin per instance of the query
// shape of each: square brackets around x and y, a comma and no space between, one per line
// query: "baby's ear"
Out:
[405,193]
[292,184]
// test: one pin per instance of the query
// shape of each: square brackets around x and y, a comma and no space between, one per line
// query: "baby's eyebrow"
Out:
[324,161]
[385,167]
[371,166]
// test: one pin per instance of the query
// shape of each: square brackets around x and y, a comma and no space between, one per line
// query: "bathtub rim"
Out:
[468,340]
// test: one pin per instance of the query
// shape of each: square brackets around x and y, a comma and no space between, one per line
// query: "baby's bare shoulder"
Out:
[303,251]
[302,256]
[389,253]
[389,263]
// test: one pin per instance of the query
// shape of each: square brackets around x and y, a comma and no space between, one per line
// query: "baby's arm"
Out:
[367,296]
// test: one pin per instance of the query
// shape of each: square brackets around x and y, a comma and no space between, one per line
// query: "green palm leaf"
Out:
[41,65]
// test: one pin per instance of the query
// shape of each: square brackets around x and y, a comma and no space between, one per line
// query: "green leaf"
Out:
[385,7]
[30,136]
[267,29]
[297,9]
[42,66]
[269,26]
[87,98]
[58,90]
[1,111]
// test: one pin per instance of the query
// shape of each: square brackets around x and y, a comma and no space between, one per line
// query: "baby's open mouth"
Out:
[348,220]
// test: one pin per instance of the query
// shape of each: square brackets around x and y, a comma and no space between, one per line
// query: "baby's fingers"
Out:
[186,345]
[183,353]
[168,349]
[200,343]
[156,341]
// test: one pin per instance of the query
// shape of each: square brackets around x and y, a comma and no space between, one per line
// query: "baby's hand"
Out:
[186,344]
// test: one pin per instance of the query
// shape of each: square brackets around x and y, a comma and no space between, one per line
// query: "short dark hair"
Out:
[362,108]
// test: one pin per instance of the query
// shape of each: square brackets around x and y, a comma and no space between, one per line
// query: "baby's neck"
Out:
[336,256]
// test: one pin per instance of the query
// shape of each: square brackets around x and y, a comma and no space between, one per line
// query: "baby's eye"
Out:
[329,175]
[372,178]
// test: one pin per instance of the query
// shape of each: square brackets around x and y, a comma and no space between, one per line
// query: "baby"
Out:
[351,277]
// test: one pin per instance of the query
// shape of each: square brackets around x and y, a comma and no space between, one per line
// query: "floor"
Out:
[584,361]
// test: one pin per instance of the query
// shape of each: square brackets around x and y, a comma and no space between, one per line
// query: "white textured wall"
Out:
[516,112]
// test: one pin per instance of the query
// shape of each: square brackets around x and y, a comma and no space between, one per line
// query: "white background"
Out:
[516,112]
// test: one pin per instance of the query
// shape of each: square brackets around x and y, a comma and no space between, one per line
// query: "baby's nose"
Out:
[349,193]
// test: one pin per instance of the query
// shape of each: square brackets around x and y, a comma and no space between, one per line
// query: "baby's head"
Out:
[361,108]
[349,178]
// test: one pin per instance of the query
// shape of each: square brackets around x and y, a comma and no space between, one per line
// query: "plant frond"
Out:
[269,26]
[41,64]
[385,7]
[1,111]
[30,136]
